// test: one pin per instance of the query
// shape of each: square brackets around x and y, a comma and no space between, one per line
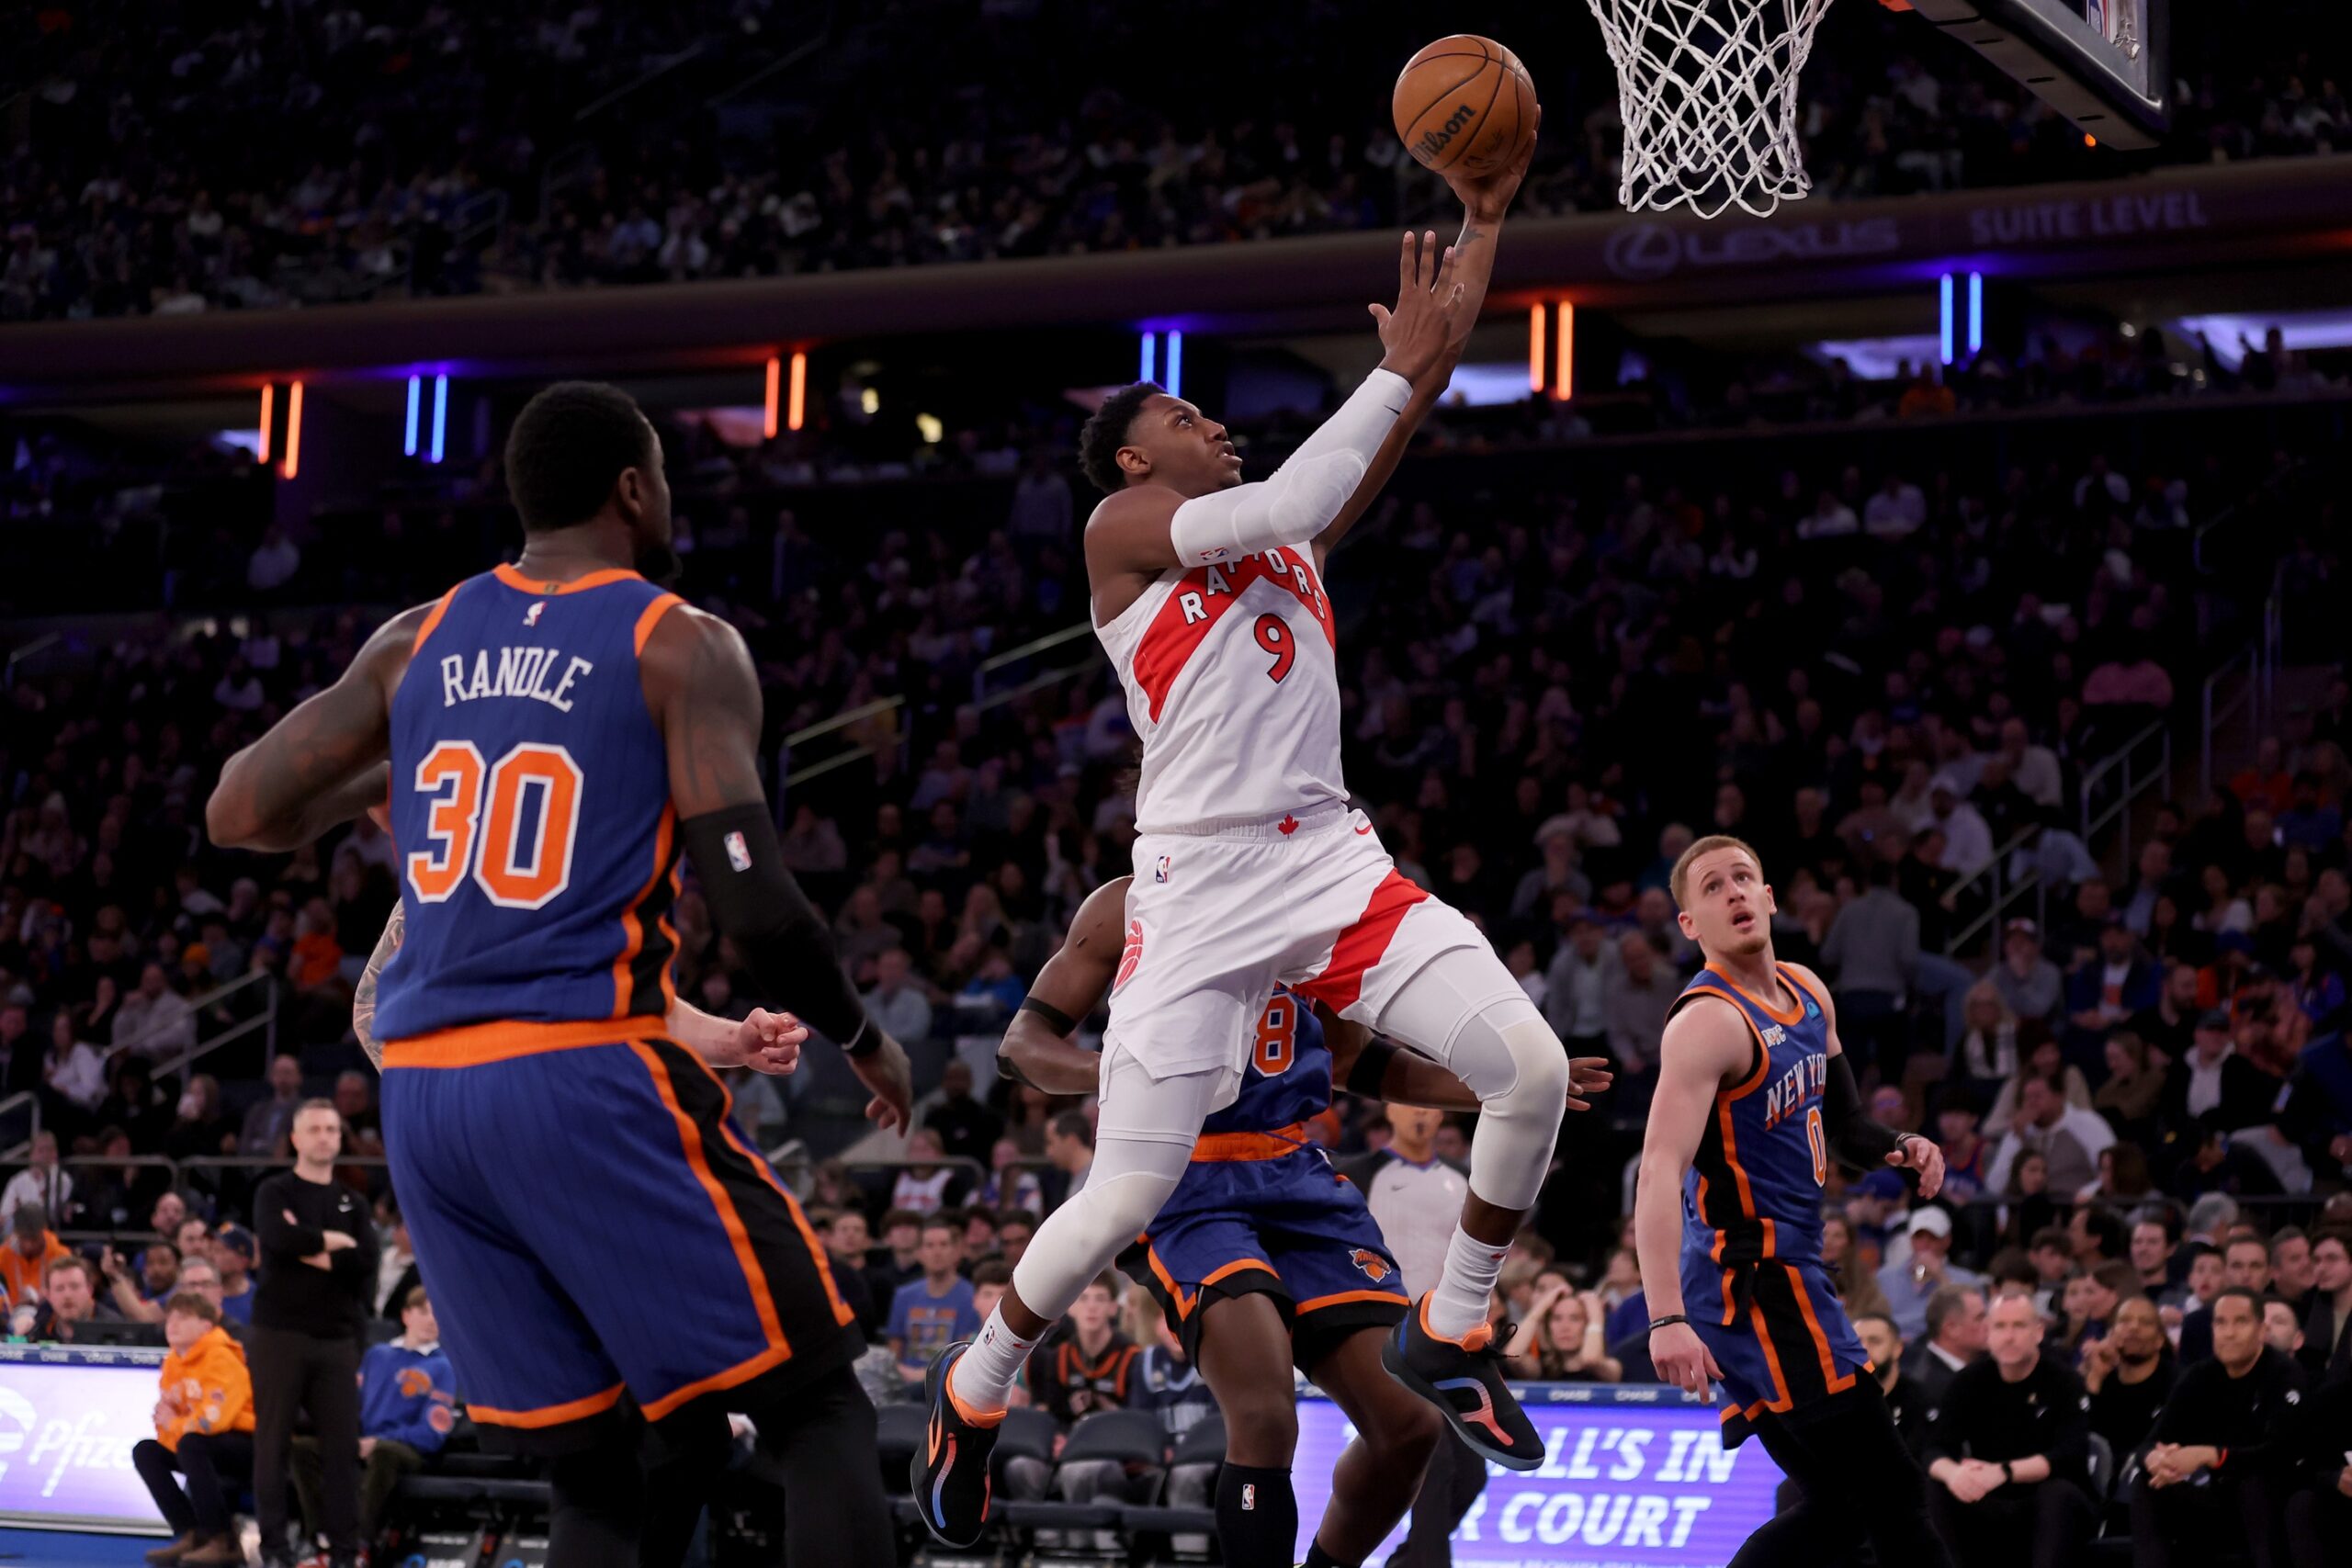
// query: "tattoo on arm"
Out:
[712,719]
[363,999]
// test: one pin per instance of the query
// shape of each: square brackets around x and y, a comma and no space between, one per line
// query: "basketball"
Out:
[1463,103]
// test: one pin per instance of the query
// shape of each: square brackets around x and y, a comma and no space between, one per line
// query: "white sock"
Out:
[982,1376]
[1459,1304]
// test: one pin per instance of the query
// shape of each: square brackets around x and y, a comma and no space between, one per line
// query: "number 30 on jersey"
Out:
[515,870]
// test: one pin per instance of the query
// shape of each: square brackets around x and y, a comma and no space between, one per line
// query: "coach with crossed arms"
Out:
[318,1269]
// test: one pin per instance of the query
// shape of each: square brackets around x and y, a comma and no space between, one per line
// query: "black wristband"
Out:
[1063,1023]
[1371,1068]
[866,1041]
[1668,1321]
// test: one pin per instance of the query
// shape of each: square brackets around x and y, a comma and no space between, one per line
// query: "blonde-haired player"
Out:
[1753,1099]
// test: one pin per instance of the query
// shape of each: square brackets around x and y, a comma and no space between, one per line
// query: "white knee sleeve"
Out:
[1511,1152]
[1464,1009]
[1144,1144]
[1079,1240]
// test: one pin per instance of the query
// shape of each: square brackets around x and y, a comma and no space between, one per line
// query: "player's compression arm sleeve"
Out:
[1360,424]
[1858,1138]
[1289,509]
[758,907]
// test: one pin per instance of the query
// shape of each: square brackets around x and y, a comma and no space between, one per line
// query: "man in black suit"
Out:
[1955,1337]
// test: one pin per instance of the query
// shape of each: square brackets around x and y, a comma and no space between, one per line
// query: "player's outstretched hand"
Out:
[1680,1358]
[1418,333]
[1486,196]
[884,1070]
[770,1042]
[1921,1154]
[1587,1075]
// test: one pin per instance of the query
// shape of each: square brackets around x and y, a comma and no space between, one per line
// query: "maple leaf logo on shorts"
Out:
[1131,954]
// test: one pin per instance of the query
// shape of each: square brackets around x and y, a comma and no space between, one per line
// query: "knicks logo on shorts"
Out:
[1375,1268]
[1129,956]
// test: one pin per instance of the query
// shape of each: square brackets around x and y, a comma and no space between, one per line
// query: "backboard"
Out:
[2105,64]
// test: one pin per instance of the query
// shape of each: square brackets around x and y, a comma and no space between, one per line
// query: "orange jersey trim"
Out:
[651,617]
[1724,1098]
[1342,1298]
[432,619]
[478,1045]
[1782,1399]
[508,574]
[632,925]
[1223,1147]
[547,1415]
[1820,1340]
[843,1313]
[1790,1015]
[1239,1266]
[755,1277]
[1796,981]
[741,1372]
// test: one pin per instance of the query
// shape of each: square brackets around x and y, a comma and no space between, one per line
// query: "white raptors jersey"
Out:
[1232,681]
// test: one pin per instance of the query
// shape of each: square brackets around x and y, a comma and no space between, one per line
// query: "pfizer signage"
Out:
[68,1419]
[1632,1474]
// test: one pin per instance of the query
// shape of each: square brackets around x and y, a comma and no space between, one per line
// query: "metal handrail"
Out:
[1035,645]
[2119,809]
[2214,715]
[22,1099]
[980,700]
[281,1162]
[1995,872]
[195,1005]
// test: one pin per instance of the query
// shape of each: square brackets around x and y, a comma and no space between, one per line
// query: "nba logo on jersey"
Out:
[739,854]
[1160,872]
[1248,1498]
[531,616]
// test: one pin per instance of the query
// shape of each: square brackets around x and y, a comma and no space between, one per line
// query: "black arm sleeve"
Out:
[758,907]
[1858,1138]
[1371,1069]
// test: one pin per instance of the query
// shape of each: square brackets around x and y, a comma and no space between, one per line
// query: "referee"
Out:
[318,1265]
[1415,1198]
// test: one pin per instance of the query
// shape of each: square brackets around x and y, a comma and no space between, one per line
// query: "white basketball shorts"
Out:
[1216,919]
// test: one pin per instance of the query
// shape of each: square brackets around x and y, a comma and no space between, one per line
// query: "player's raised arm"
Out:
[1197,515]
[704,693]
[1861,1141]
[1036,1048]
[1485,200]
[1706,1042]
[323,763]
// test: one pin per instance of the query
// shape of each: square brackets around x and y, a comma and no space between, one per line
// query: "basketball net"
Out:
[1708,92]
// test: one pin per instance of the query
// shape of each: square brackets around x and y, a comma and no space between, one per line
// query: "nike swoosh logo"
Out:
[1362,831]
[932,1455]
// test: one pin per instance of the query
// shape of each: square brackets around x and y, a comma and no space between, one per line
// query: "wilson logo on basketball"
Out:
[1434,142]
[1131,954]
[1374,1267]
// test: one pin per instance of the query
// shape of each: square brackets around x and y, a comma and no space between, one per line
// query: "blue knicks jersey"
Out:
[1754,1188]
[531,808]
[1289,1077]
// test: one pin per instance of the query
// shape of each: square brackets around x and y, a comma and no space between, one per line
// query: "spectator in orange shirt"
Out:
[31,1245]
[318,957]
[1924,396]
[204,1430]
